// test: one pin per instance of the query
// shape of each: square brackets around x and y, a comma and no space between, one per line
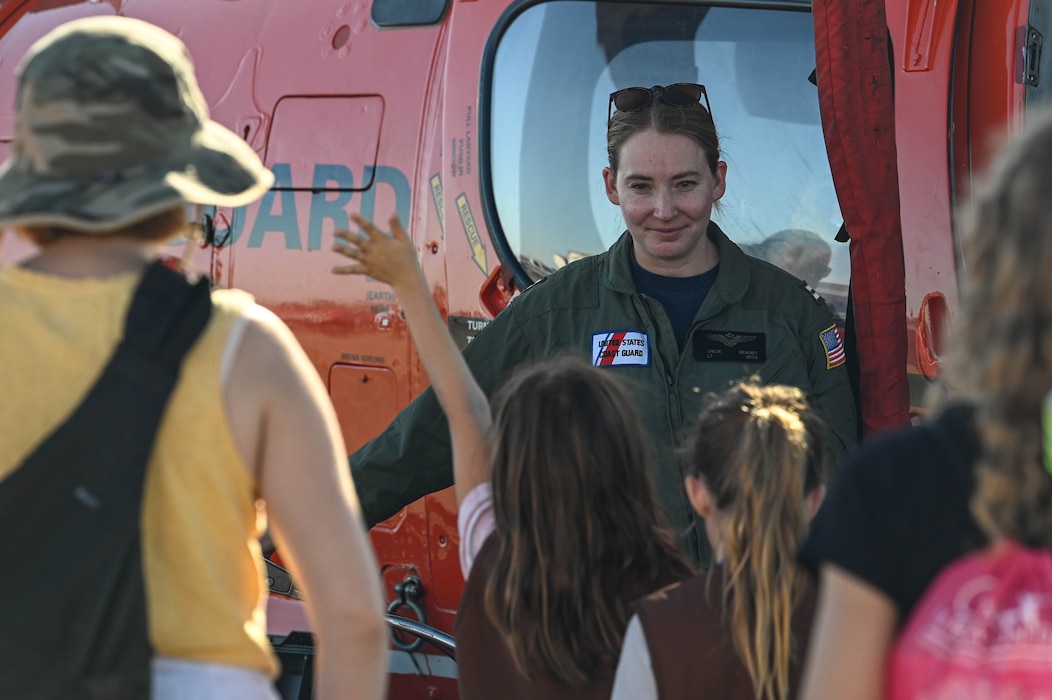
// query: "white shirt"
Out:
[634,679]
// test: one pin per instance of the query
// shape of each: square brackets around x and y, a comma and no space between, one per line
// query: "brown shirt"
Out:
[484,664]
[691,650]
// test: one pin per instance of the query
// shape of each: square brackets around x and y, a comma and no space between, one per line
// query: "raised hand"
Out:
[392,259]
[388,258]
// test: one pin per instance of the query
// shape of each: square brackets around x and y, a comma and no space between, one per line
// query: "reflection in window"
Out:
[549,127]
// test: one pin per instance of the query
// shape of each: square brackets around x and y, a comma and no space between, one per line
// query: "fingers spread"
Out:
[350,251]
[397,230]
[368,226]
[385,257]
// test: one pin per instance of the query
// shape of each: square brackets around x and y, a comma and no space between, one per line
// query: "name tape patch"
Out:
[834,345]
[620,349]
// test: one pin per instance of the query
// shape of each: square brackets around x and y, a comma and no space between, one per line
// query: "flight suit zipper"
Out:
[672,403]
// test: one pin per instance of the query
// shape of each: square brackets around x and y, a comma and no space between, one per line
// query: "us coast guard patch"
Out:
[620,348]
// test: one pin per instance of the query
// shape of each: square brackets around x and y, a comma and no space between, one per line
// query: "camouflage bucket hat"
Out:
[111,128]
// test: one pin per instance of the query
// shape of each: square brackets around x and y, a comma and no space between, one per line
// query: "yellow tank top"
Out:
[201,515]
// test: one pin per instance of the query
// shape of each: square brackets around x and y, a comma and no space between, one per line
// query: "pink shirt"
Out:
[475,523]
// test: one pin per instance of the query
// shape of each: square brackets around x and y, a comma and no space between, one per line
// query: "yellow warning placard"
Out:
[478,251]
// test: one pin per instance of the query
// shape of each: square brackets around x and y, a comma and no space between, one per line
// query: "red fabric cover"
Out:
[858,120]
[982,631]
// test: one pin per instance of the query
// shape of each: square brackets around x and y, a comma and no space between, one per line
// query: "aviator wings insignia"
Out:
[730,339]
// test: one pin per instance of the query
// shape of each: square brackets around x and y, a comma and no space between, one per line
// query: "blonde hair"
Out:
[579,533]
[761,451]
[1001,357]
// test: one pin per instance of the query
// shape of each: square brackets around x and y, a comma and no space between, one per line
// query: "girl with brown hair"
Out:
[558,522]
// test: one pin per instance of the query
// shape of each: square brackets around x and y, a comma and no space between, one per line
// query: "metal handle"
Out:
[408,592]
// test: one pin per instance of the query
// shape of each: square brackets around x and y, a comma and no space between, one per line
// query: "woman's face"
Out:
[665,190]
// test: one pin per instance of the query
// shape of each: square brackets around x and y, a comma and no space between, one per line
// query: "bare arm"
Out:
[392,259]
[854,627]
[287,431]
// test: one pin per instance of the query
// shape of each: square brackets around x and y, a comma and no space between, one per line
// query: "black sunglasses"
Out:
[634,99]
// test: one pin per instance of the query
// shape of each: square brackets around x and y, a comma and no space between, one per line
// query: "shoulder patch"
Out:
[814,294]
[834,346]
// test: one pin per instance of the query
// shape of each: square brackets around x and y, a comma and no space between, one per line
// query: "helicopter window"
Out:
[408,13]
[547,128]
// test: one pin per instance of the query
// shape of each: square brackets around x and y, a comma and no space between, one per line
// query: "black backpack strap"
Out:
[74,618]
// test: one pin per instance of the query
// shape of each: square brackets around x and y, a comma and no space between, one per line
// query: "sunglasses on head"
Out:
[635,99]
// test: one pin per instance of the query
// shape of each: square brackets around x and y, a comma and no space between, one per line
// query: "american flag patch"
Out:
[834,346]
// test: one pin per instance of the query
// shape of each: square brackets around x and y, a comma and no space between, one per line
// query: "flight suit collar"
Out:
[732,281]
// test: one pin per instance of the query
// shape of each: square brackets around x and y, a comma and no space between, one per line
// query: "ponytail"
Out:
[761,451]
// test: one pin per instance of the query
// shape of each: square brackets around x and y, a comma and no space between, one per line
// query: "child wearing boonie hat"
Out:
[113,140]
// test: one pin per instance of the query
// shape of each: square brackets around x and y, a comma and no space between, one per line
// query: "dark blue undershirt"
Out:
[681,297]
